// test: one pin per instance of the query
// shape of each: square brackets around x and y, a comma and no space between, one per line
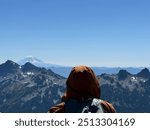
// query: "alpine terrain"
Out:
[28,88]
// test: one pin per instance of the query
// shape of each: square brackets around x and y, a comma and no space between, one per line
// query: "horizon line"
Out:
[93,66]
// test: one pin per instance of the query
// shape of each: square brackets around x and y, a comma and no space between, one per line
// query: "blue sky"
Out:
[76,32]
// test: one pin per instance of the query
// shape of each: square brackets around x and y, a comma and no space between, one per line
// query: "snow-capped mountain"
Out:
[30,59]
[37,62]
[58,69]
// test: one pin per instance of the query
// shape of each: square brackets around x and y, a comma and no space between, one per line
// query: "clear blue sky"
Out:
[75,32]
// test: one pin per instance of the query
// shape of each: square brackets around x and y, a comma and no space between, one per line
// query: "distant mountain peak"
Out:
[10,62]
[9,67]
[123,74]
[29,67]
[30,59]
[145,73]
[37,62]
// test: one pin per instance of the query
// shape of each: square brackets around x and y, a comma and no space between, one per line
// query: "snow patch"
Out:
[23,75]
[30,73]
[143,80]
[134,79]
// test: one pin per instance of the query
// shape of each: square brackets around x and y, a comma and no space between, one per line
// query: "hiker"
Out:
[82,94]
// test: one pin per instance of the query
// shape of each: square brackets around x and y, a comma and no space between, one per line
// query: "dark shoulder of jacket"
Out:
[57,109]
[107,107]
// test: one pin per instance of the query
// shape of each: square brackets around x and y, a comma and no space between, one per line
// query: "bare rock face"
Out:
[29,88]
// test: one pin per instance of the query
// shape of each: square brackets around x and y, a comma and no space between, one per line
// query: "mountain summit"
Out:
[28,67]
[28,88]
[37,62]
[31,59]
[123,74]
[145,73]
[9,67]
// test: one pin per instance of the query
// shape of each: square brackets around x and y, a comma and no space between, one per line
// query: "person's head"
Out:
[82,83]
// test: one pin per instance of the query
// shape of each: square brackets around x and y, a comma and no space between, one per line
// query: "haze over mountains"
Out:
[28,88]
[37,62]
[65,70]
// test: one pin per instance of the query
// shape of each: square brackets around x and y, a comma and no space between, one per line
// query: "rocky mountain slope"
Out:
[28,88]
[128,93]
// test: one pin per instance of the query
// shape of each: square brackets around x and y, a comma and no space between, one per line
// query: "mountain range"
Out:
[129,93]
[28,88]
[65,70]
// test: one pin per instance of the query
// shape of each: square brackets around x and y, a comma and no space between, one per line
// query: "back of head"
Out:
[82,86]
[82,83]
